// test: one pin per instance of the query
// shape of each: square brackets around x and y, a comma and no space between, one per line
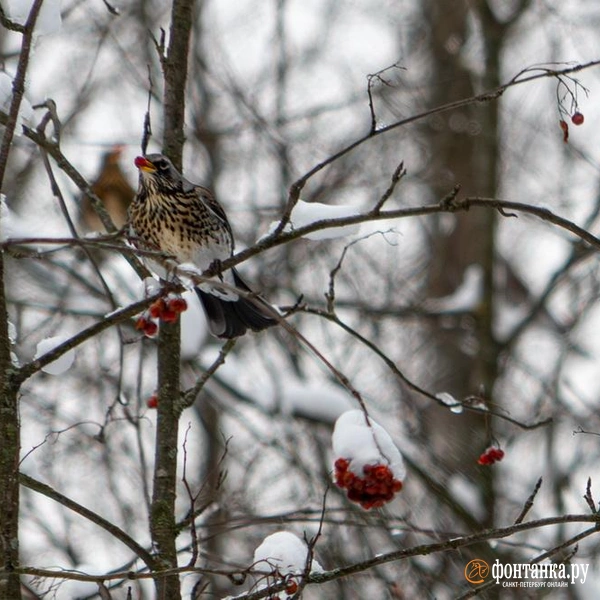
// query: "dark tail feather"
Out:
[230,319]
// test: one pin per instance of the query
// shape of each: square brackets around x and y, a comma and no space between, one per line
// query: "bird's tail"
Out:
[232,318]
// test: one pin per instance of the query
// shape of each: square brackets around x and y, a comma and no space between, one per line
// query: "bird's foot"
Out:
[215,269]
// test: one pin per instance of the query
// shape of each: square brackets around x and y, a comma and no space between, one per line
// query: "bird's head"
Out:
[158,173]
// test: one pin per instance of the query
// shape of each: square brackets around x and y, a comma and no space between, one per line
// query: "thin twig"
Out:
[147,119]
[192,498]
[8,23]
[399,173]
[18,87]
[529,503]
[311,549]
[588,496]
[189,396]
[113,10]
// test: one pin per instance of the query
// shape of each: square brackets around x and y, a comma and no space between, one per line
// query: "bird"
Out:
[184,220]
[112,187]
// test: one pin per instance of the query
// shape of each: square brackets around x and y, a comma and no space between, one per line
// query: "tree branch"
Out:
[117,532]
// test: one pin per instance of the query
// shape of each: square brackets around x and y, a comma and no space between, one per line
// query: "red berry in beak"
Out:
[144,164]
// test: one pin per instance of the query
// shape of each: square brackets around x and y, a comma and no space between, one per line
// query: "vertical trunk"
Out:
[459,142]
[163,518]
[464,149]
[486,161]
[175,68]
[10,427]
[10,588]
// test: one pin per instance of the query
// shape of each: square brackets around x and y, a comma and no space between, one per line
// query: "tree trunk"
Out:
[10,446]
[163,518]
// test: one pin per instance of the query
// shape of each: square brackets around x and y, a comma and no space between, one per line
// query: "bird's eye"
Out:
[161,165]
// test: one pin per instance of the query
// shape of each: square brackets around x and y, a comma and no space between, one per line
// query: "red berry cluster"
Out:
[377,487]
[152,402]
[491,456]
[167,311]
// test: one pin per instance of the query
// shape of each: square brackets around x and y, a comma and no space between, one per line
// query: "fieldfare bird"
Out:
[183,220]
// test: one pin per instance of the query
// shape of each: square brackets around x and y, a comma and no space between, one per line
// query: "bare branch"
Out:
[588,496]
[115,531]
[529,503]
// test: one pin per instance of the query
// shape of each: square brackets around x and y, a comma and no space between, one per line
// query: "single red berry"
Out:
[150,328]
[497,454]
[177,305]
[157,308]
[152,402]
[577,118]
[291,588]
[484,459]
[169,316]
[141,323]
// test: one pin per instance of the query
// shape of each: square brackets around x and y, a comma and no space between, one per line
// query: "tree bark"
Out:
[10,446]
[175,69]
[162,516]
[163,525]
[10,426]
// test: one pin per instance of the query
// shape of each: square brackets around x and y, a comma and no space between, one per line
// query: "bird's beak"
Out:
[144,164]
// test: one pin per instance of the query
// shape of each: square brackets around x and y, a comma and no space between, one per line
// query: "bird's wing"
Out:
[209,200]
